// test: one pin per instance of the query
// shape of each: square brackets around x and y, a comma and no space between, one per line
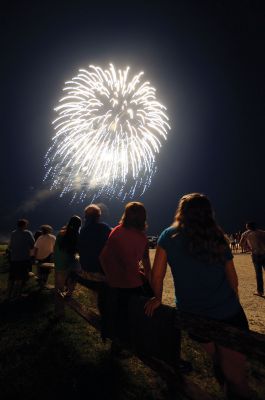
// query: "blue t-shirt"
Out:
[200,287]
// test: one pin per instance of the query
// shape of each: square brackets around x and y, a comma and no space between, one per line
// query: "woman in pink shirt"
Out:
[126,263]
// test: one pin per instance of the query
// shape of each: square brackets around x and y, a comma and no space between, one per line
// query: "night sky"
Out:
[207,62]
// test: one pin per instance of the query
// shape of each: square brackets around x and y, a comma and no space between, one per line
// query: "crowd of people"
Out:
[235,243]
[194,246]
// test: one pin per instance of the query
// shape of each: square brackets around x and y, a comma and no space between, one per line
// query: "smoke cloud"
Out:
[35,200]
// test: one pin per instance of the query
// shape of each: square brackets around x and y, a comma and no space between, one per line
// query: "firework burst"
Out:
[108,130]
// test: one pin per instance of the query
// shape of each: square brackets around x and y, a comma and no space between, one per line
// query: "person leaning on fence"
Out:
[92,238]
[65,262]
[205,282]
[125,248]
[20,246]
[254,239]
[44,252]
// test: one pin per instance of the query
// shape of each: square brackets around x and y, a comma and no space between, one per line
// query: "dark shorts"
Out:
[258,259]
[49,259]
[239,320]
[19,270]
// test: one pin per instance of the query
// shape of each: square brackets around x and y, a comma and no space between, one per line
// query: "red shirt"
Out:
[123,251]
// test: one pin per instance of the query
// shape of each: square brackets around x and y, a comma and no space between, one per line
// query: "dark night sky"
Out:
[207,62]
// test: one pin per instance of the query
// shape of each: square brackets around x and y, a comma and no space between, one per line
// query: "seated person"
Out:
[43,252]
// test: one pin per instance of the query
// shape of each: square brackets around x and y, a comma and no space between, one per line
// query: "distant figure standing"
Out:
[20,246]
[232,240]
[254,239]
[66,262]
[43,252]
[92,238]
[238,237]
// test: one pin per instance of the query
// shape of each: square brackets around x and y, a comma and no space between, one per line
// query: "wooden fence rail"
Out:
[250,343]
[177,383]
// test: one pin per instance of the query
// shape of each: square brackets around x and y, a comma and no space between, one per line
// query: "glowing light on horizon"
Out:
[107,134]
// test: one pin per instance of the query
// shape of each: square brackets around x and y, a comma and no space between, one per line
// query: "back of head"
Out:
[134,216]
[74,224]
[194,211]
[92,213]
[70,234]
[45,229]
[196,217]
[22,223]
[251,226]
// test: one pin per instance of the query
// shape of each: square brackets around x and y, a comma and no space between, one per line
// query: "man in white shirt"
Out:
[255,240]
[43,252]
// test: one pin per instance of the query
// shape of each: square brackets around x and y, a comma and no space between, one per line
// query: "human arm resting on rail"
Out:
[157,278]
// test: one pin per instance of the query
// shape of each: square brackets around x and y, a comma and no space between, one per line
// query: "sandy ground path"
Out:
[254,306]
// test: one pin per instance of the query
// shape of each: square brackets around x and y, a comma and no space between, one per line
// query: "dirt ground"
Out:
[254,306]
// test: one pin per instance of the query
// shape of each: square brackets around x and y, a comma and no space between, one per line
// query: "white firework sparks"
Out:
[108,131]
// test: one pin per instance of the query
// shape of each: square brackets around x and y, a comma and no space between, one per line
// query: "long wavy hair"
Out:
[195,217]
[134,216]
[70,234]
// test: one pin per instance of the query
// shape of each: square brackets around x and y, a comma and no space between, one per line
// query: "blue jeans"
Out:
[259,265]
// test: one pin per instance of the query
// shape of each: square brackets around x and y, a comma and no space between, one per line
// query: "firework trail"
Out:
[108,131]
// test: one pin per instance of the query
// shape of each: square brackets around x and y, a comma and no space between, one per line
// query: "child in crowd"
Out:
[66,262]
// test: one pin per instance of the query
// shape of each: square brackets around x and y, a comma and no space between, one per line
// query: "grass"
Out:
[3,247]
[40,358]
